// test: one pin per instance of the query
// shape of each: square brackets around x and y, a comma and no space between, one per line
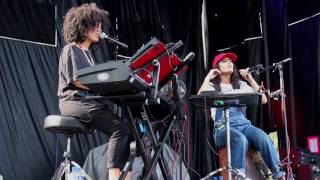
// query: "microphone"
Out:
[112,40]
[189,57]
[256,69]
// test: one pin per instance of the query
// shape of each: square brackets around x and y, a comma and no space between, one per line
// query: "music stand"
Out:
[225,100]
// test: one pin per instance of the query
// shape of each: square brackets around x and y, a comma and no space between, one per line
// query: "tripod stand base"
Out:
[210,175]
[61,171]
[58,174]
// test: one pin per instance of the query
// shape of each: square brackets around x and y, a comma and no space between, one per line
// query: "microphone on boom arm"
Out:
[112,40]
[256,69]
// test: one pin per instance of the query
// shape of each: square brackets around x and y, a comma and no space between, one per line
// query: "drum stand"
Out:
[226,101]
[228,167]
[227,116]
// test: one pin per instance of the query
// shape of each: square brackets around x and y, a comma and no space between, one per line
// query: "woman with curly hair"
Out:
[81,28]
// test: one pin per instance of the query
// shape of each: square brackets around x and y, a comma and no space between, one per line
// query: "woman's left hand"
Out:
[245,74]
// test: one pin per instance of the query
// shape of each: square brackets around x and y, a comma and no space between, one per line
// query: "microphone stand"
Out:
[280,92]
[279,66]
[117,46]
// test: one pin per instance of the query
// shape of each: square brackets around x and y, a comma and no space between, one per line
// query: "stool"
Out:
[68,126]
[255,167]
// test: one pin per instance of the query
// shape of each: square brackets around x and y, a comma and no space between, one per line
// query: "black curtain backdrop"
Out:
[29,77]
[38,26]
[305,42]
[299,41]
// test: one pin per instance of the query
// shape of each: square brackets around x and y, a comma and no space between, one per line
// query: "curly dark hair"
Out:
[79,20]
[235,78]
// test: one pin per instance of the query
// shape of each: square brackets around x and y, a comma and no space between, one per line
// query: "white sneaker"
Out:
[240,175]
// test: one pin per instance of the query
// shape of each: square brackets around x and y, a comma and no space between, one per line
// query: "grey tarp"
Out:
[95,164]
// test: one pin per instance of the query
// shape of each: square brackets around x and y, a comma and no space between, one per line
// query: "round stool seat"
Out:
[65,125]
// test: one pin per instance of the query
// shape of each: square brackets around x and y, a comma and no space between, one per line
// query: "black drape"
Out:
[17,22]
[299,40]
[305,42]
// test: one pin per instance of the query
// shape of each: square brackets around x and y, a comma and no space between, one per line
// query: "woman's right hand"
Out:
[212,74]
[206,83]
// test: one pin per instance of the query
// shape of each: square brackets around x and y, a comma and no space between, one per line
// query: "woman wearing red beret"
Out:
[224,77]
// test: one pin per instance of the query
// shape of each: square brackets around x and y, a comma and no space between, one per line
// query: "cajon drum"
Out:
[255,166]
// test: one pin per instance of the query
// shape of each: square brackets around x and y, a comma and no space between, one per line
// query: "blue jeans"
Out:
[242,135]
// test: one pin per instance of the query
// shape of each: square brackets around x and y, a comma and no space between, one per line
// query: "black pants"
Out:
[99,116]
